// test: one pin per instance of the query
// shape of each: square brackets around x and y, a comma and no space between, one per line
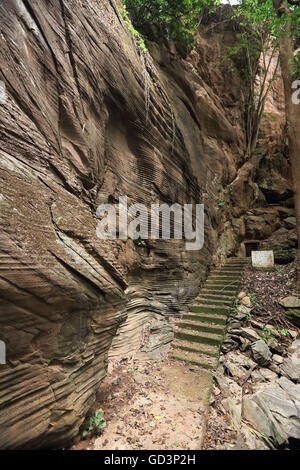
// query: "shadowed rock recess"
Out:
[89,118]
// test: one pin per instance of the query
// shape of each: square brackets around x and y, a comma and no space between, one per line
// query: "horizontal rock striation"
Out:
[87,118]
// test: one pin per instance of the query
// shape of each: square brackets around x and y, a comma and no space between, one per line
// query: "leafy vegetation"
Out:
[139,40]
[96,424]
[284,332]
[254,301]
[295,29]
[253,56]
[171,19]
[267,335]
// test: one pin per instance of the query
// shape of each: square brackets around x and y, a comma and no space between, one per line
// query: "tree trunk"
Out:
[286,51]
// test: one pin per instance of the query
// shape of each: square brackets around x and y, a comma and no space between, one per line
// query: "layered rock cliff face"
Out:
[260,203]
[88,118]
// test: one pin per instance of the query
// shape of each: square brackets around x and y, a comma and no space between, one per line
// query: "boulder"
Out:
[273,179]
[290,223]
[290,302]
[246,301]
[252,442]
[229,344]
[274,368]
[237,364]
[274,410]
[245,344]
[249,333]
[243,311]
[160,334]
[229,388]
[283,242]
[257,377]
[277,359]
[261,227]
[234,410]
[293,333]
[261,353]
[241,295]
[291,365]
[294,347]
[268,374]
[275,346]
[294,317]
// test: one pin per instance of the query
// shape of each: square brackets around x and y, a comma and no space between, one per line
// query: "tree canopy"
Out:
[176,20]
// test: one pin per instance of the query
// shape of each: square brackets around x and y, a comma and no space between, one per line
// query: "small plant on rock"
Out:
[138,38]
[97,423]
[254,301]
[267,335]
[284,332]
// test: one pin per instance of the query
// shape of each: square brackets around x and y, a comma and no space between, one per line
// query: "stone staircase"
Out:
[199,334]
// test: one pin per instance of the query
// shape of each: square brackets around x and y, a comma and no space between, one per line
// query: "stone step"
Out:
[201,360]
[240,259]
[217,282]
[198,337]
[240,265]
[231,288]
[214,297]
[201,326]
[206,349]
[216,277]
[212,309]
[212,319]
[217,292]
[212,303]
[227,291]
[237,276]
[225,273]
[232,265]
[200,332]
[230,270]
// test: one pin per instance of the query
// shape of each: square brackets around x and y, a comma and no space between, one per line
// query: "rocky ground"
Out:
[256,392]
[158,405]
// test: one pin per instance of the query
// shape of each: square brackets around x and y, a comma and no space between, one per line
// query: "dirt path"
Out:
[157,405]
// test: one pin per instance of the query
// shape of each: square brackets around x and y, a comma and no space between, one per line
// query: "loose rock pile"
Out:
[258,380]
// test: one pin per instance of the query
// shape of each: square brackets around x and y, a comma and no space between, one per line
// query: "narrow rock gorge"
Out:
[89,117]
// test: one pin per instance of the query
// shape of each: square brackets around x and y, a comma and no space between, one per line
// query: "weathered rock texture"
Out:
[80,128]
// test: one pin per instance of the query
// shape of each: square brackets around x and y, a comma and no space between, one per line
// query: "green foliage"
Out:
[295,30]
[295,61]
[173,19]
[254,301]
[138,38]
[284,332]
[258,25]
[253,54]
[267,335]
[96,424]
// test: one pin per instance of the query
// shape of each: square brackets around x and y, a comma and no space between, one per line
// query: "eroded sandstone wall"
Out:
[78,128]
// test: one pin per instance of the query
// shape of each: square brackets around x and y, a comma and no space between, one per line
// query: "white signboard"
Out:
[262,259]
